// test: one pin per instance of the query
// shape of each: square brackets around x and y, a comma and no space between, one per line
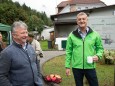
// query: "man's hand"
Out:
[95,58]
[41,55]
[68,71]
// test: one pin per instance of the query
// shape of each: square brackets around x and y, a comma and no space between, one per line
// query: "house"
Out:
[76,5]
[68,7]
[101,19]
[47,32]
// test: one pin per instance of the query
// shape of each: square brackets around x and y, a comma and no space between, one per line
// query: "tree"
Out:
[46,20]
[10,13]
[13,11]
[35,24]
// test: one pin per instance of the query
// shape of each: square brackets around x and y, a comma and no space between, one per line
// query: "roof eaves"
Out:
[55,16]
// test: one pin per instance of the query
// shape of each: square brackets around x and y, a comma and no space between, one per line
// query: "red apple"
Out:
[53,79]
[51,75]
[58,78]
[47,78]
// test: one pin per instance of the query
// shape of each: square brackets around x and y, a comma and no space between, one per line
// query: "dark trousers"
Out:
[40,79]
[90,75]
[38,66]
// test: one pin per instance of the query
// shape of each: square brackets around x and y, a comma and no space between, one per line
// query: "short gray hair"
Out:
[18,24]
[81,13]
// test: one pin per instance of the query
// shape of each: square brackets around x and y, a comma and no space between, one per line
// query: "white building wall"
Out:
[59,42]
[88,6]
[103,12]
[105,26]
[66,9]
[106,30]
[95,12]
[82,7]
[46,33]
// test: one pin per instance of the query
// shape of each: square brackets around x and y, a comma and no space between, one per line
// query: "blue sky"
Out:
[49,6]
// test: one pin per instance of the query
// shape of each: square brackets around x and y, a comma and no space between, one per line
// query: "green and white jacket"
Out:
[77,49]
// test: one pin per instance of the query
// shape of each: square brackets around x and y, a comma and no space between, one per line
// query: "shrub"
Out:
[108,57]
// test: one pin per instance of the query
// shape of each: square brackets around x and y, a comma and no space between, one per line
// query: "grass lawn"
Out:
[105,73]
[44,45]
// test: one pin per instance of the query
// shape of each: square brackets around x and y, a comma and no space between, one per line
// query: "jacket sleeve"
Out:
[38,49]
[69,50]
[99,47]
[4,69]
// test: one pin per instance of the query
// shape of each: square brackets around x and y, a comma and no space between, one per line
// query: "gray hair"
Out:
[17,25]
[81,13]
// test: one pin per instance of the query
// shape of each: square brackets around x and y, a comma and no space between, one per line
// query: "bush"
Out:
[108,57]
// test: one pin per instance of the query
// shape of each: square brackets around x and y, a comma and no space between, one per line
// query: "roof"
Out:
[55,16]
[85,1]
[64,3]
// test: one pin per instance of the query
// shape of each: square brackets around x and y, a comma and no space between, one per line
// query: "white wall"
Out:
[82,7]
[45,33]
[106,31]
[59,42]
[105,26]
[66,9]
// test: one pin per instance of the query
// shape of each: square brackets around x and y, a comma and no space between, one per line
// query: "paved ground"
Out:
[49,55]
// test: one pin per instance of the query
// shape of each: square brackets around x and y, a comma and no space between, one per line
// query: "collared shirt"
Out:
[24,47]
[83,35]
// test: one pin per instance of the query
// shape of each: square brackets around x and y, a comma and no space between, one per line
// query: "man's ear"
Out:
[13,35]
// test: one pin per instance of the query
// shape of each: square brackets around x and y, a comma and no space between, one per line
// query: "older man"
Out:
[84,49]
[18,64]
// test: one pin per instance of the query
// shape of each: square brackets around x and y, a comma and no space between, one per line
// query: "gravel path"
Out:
[49,55]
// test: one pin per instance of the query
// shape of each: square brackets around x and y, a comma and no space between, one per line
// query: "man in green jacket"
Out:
[84,48]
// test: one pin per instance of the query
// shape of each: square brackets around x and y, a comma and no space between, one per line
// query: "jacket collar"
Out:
[76,33]
[19,45]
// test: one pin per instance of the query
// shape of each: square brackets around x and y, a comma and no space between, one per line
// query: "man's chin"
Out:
[24,41]
[82,25]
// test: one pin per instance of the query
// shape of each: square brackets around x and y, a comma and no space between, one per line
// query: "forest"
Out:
[12,11]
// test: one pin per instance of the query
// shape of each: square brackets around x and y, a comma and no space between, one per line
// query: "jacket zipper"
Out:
[83,53]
